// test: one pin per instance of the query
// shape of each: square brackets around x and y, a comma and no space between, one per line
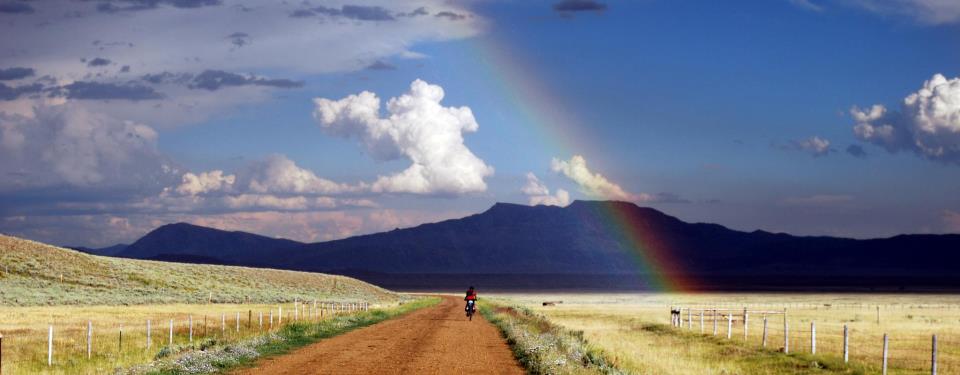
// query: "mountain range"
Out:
[588,245]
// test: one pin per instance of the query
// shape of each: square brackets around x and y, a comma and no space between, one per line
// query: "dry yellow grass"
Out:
[32,273]
[629,328]
[25,332]
[42,285]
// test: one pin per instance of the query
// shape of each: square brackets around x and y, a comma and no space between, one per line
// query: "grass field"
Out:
[32,273]
[43,286]
[635,333]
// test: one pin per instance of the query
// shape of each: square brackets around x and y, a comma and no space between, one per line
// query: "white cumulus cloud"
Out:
[815,145]
[205,182]
[538,193]
[594,183]
[927,123]
[418,128]
[278,174]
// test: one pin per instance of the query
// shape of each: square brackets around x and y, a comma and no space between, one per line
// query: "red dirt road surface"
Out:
[434,340]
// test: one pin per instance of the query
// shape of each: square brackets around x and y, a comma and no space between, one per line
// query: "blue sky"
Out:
[744,114]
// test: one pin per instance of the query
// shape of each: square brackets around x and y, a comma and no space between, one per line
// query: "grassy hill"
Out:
[32,273]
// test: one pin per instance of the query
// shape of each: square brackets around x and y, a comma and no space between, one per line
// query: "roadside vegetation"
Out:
[635,333]
[211,356]
[543,347]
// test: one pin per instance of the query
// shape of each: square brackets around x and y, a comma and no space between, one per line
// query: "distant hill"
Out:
[32,273]
[104,251]
[586,245]
[196,244]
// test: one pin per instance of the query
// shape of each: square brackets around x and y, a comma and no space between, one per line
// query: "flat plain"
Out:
[635,331]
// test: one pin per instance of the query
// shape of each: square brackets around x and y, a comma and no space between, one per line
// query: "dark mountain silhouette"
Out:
[587,245]
[105,251]
[196,244]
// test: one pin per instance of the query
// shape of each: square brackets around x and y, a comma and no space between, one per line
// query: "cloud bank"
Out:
[927,122]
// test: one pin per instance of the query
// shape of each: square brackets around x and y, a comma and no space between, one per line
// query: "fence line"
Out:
[66,344]
[828,339]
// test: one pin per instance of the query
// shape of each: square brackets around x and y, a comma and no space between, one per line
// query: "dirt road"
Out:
[434,340]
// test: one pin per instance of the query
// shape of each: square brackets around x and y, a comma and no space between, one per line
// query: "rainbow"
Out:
[548,114]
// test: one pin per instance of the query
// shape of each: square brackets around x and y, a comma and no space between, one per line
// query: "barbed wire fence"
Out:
[792,330]
[102,347]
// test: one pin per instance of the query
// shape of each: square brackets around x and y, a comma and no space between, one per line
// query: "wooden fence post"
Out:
[701,321]
[249,319]
[933,357]
[238,322]
[764,342]
[296,311]
[89,339]
[271,319]
[813,337]
[50,347]
[171,334]
[715,322]
[120,342]
[223,324]
[729,325]
[260,321]
[885,351]
[846,344]
[148,333]
[878,314]
[786,333]
[190,322]
[280,316]
[746,325]
[689,319]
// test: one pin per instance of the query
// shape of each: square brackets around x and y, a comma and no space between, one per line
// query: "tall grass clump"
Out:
[543,347]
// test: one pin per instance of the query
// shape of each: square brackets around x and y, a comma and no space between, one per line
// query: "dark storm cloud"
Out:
[12,93]
[303,13]
[125,69]
[10,74]
[99,61]
[566,6]
[107,91]
[137,5]
[239,39]
[366,13]
[381,65]
[856,151]
[167,77]
[15,8]
[215,79]
[421,11]
[356,12]
[450,15]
